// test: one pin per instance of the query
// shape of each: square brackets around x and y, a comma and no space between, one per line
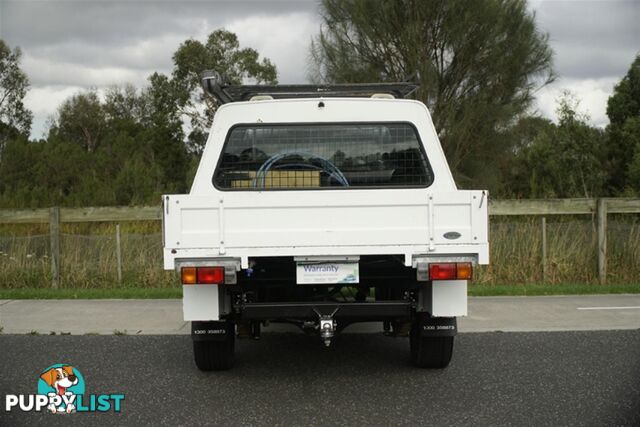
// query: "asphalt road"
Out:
[513,378]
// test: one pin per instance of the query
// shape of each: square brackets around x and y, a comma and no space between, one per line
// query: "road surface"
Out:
[533,378]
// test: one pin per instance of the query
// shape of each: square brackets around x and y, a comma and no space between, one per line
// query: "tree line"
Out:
[479,65]
[126,147]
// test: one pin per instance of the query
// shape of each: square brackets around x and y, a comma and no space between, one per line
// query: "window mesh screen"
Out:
[322,155]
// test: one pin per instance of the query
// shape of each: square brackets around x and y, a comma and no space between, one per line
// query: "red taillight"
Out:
[442,271]
[450,271]
[210,275]
[202,275]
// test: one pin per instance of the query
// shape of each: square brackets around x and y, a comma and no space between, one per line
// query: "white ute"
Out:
[322,206]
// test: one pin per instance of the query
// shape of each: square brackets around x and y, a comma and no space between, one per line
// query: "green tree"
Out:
[164,133]
[136,183]
[123,104]
[129,146]
[62,169]
[630,134]
[623,109]
[143,153]
[81,120]
[625,101]
[567,160]
[221,52]
[14,117]
[513,169]
[478,63]
[18,173]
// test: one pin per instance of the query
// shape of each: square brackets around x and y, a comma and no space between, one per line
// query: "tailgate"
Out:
[245,221]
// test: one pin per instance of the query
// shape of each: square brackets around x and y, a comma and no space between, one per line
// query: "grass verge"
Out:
[550,289]
[116,293]
[474,290]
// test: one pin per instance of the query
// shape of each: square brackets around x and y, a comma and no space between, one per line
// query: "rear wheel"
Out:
[429,352]
[215,355]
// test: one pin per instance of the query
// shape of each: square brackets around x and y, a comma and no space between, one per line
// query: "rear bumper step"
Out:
[346,310]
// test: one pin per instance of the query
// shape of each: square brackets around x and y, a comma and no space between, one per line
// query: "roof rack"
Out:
[217,86]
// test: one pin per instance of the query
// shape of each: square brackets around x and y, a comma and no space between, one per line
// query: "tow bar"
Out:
[328,325]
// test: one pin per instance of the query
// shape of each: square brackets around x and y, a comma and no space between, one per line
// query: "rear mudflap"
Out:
[437,326]
[211,330]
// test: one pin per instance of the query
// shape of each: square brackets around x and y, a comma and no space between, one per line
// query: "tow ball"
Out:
[327,325]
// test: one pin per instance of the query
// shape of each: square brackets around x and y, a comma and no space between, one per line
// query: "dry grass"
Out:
[89,254]
[516,251]
[88,261]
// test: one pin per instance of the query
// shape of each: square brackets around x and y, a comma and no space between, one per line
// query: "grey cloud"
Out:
[572,60]
[612,23]
[153,53]
[28,23]
[591,39]
[99,42]
[139,36]
[60,73]
[74,45]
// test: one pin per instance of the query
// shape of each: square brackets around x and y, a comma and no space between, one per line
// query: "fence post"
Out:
[54,237]
[602,240]
[118,254]
[544,249]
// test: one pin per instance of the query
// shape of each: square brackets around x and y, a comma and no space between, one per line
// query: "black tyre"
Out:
[215,355]
[430,352]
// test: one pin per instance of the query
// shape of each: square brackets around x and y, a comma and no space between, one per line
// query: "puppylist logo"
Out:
[61,390]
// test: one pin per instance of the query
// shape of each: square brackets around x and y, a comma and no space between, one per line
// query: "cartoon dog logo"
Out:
[60,379]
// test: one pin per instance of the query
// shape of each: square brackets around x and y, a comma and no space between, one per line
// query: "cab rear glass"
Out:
[317,156]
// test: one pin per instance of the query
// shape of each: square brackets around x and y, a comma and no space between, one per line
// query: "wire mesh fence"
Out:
[87,261]
[90,260]
[516,252]
[24,261]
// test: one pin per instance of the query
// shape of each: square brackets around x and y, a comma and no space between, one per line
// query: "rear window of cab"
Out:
[317,156]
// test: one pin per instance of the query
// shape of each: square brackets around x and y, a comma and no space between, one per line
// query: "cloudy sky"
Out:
[69,46]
